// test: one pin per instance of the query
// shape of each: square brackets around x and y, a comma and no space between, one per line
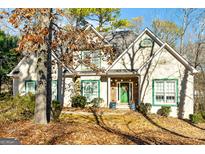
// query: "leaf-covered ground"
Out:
[106,127]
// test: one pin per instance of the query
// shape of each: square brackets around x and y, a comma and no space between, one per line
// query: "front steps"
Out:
[122,106]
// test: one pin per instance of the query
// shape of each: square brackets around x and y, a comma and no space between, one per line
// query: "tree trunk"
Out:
[59,84]
[40,100]
[49,69]
[44,79]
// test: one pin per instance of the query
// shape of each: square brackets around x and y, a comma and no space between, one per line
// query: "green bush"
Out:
[164,111]
[78,101]
[144,108]
[17,108]
[56,109]
[196,118]
[96,102]
[5,96]
[203,114]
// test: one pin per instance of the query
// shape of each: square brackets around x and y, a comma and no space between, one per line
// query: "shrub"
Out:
[25,105]
[17,108]
[203,114]
[196,118]
[5,96]
[144,108]
[78,101]
[96,102]
[164,111]
[56,109]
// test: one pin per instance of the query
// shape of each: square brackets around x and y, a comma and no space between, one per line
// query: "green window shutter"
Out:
[30,86]
[90,89]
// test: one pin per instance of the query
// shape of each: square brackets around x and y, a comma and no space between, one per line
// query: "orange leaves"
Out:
[44,31]
[60,11]
[54,45]
[13,20]
[33,38]
[28,15]
[35,25]
[3,13]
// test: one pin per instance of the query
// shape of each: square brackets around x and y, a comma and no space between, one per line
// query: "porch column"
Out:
[139,89]
[108,91]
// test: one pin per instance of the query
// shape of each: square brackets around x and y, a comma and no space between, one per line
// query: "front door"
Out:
[124,92]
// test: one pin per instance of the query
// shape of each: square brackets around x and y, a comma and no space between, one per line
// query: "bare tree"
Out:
[187,19]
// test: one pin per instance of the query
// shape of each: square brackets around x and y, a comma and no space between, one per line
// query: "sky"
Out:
[151,13]
[171,14]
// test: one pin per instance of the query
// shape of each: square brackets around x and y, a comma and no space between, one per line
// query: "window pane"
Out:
[95,59]
[159,98]
[170,99]
[170,86]
[170,91]
[159,93]
[159,86]
[85,54]
[90,89]
[30,86]
[165,91]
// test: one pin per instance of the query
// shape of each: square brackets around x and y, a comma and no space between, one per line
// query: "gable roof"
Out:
[162,46]
[11,74]
[87,27]
[17,66]
[122,41]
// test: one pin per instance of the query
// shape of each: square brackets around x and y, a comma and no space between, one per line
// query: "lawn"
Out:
[104,126]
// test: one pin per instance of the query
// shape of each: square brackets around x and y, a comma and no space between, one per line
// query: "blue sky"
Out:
[149,14]
[171,14]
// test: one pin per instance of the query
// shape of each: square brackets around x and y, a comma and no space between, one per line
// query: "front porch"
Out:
[123,90]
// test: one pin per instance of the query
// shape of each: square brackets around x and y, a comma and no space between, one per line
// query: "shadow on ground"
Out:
[134,138]
[170,131]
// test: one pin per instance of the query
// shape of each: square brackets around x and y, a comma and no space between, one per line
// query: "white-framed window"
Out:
[90,89]
[165,91]
[30,86]
[95,58]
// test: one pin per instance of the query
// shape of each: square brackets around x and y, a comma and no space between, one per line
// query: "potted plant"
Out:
[112,104]
[132,105]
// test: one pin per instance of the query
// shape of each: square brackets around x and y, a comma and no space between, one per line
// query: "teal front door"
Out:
[124,92]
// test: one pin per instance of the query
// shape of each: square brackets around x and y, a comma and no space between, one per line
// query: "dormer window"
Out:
[95,58]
